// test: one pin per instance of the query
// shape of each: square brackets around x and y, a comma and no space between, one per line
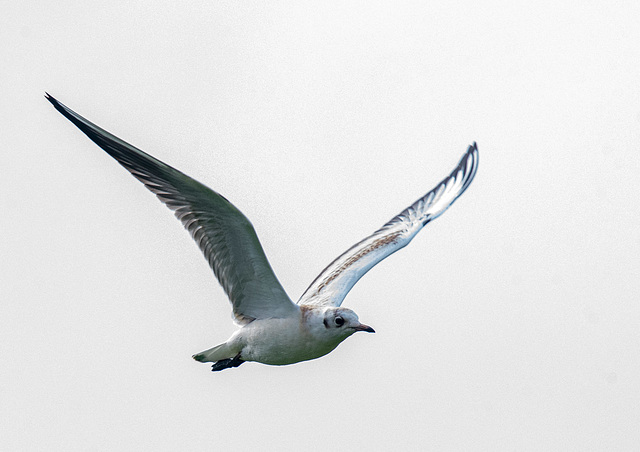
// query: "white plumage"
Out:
[273,330]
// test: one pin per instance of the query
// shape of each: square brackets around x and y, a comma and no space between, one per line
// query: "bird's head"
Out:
[344,321]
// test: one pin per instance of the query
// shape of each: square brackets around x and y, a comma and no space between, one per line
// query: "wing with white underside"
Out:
[335,281]
[225,236]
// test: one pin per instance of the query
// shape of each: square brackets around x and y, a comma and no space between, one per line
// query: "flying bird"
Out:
[273,330]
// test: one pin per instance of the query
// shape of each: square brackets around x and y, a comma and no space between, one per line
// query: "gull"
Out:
[273,330]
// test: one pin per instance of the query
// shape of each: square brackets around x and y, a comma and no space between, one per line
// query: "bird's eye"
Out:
[339,321]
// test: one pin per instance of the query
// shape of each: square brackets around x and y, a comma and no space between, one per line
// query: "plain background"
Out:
[510,323]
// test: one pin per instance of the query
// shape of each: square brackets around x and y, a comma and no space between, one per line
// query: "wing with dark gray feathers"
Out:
[225,236]
[335,281]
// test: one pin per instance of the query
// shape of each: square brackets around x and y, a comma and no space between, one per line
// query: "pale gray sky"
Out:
[510,323]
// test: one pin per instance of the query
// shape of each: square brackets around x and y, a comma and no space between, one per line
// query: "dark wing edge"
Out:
[225,236]
[336,280]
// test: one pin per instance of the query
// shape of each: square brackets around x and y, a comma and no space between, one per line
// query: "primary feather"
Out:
[337,279]
[225,236]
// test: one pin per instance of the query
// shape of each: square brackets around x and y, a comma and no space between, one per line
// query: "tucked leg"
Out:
[227,363]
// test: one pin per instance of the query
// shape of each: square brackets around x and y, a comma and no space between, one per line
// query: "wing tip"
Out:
[470,157]
[472,150]
[57,105]
[470,165]
[51,99]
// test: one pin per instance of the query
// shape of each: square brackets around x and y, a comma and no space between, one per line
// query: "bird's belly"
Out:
[281,341]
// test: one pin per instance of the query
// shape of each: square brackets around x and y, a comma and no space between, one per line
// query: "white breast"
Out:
[286,341]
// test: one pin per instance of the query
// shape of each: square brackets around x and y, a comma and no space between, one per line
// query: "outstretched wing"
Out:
[223,233]
[335,281]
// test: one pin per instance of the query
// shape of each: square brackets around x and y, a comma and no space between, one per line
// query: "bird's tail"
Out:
[214,354]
